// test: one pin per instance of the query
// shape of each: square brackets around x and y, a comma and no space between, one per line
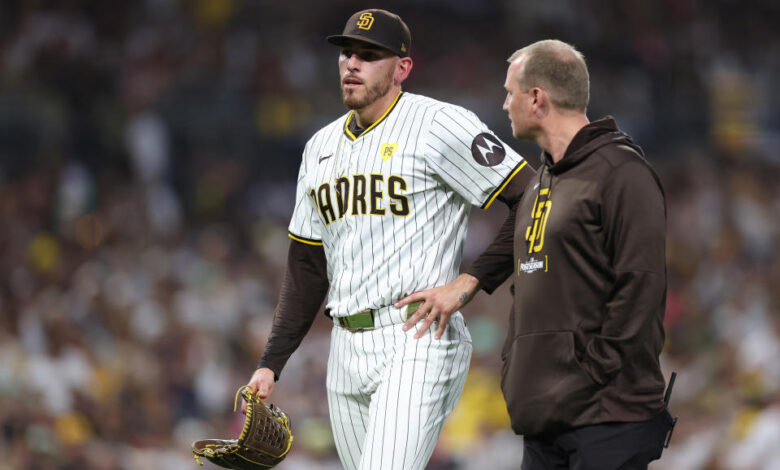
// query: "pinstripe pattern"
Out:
[388,393]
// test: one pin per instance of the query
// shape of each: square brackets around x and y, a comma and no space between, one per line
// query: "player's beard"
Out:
[357,99]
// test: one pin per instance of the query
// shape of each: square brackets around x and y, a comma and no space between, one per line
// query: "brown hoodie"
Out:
[590,287]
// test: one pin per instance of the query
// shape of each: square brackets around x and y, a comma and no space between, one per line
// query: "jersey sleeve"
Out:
[469,157]
[305,225]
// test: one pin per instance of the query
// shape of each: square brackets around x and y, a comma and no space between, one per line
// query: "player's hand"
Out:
[439,303]
[262,383]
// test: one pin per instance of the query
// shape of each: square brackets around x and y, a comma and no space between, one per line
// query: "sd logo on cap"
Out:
[378,27]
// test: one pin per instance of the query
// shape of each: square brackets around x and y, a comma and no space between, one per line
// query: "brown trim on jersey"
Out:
[308,241]
[506,181]
[347,126]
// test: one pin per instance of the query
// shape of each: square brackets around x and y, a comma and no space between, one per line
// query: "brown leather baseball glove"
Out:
[263,443]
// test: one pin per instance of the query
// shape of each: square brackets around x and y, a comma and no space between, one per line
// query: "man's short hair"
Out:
[558,68]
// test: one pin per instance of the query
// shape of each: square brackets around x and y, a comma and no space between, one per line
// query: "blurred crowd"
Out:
[148,157]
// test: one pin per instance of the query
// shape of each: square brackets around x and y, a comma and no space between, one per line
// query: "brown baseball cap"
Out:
[378,27]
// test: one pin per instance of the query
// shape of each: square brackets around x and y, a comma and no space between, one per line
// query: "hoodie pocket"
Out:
[545,387]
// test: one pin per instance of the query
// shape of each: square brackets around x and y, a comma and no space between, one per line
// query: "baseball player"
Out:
[381,210]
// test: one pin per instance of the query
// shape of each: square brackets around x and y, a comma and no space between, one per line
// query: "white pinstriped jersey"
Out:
[390,205]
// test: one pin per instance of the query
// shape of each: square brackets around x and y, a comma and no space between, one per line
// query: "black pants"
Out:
[609,446]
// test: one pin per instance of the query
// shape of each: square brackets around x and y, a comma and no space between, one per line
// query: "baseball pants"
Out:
[389,394]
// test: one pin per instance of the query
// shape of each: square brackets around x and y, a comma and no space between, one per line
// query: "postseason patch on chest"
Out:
[487,150]
[387,151]
[531,265]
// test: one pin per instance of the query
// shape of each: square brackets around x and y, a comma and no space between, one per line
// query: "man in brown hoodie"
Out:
[581,373]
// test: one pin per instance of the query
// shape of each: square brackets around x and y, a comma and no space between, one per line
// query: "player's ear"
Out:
[540,101]
[403,68]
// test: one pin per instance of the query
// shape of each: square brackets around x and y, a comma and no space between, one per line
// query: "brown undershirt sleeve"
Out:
[496,263]
[304,288]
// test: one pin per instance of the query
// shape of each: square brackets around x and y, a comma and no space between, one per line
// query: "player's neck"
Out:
[374,111]
[558,133]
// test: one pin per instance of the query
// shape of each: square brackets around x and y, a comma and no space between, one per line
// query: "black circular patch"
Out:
[487,150]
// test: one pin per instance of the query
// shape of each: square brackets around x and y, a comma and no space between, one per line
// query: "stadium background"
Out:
[148,154]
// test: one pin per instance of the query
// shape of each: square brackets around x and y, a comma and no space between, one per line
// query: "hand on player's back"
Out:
[439,303]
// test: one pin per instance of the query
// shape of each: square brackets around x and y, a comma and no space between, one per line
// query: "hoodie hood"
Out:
[589,139]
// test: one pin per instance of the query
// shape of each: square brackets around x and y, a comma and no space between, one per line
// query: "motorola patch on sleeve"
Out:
[487,150]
